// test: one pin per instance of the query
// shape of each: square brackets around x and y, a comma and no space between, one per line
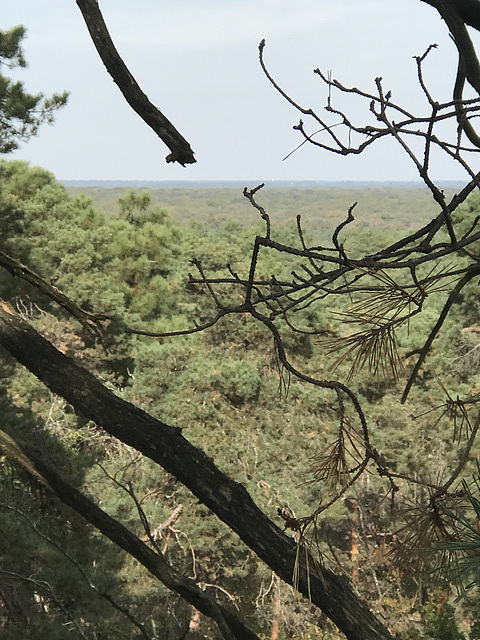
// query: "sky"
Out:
[198,62]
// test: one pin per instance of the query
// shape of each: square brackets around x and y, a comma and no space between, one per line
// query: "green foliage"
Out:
[225,389]
[440,620]
[11,53]
[21,113]
[132,202]
[386,209]
[461,559]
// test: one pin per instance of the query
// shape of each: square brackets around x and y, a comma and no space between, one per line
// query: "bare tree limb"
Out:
[179,147]
[468,10]
[228,623]
[87,319]
[165,445]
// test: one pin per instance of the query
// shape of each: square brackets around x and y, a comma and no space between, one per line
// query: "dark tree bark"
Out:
[165,445]
[457,14]
[469,11]
[179,147]
[230,625]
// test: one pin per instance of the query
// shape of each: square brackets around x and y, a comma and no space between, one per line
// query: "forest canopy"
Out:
[248,412]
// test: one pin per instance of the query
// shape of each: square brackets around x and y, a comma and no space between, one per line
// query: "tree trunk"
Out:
[165,445]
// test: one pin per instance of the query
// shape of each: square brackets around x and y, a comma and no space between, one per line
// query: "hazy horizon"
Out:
[198,62]
[269,184]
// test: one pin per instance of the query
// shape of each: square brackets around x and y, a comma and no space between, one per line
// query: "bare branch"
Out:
[471,273]
[179,147]
[88,320]
[165,445]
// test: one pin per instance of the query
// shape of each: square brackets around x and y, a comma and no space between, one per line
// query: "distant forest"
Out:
[321,208]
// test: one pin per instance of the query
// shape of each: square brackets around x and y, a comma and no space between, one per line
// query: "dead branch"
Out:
[164,526]
[179,147]
[90,321]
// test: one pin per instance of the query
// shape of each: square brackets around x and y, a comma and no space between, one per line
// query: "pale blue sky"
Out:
[198,62]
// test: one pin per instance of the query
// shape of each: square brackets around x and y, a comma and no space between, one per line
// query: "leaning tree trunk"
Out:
[166,445]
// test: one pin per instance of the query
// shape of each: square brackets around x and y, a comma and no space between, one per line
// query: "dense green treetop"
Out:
[21,113]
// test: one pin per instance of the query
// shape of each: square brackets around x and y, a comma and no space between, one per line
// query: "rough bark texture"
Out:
[180,148]
[165,445]
[230,625]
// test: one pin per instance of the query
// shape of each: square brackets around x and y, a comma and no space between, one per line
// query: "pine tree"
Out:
[21,113]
